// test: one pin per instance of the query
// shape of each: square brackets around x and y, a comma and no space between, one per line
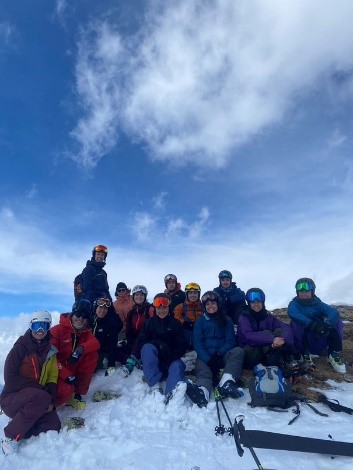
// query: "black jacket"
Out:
[94,281]
[106,330]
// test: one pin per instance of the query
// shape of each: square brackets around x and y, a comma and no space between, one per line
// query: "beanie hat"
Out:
[82,307]
[120,285]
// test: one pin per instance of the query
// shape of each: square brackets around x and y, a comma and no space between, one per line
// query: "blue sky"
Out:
[187,136]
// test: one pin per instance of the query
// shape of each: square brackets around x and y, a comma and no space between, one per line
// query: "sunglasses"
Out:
[40,325]
[121,291]
[161,302]
[303,286]
[83,315]
[209,296]
[103,303]
[255,297]
[101,249]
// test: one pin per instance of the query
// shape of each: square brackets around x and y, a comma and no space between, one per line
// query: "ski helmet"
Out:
[224,274]
[192,286]
[305,283]
[169,277]
[255,295]
[210,295]
[41,316]
[161,299]
[141,289]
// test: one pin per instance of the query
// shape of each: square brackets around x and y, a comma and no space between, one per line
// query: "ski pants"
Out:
[28,410]
[305,340]
[233,364]
[152,370]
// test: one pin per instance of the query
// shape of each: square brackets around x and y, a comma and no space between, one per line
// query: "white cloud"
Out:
[337,139]
[202,78]
[32,192]
[7,35]
[159,201]
[143,225]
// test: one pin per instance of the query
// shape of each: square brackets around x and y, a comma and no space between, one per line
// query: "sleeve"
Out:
[287,332]
[88,275]
[332,315]
[251,337]
[295,312]
[199,345]
[90,343]
[237,296]
[229,341]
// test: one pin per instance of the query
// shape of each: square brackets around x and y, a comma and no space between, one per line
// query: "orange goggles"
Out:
[161,302]
[103,303]
[101,249]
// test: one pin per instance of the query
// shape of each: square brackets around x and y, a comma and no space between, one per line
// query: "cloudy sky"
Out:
[188,136]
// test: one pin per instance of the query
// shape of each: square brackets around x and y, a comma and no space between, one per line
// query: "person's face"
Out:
[101,311]
[305,294]
[193,295]
[78,322]
[256,306]
[171,284]
[161,311]
[39,335]
[211,307]
[225,282]
[99,256]
[120,292]
[139,298]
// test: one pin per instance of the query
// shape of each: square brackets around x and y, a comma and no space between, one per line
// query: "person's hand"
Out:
[188,325]
[128,367]
[75,356]
[278,342]
[71,380]
[320,328]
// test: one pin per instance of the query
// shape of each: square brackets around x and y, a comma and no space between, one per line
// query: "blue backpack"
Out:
[269,388]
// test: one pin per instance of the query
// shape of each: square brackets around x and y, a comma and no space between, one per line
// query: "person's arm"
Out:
[251,337]
[199,338]
[12,376]
[297,313]
[229,341]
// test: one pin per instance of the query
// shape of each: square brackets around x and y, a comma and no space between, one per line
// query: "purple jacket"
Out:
[251,326]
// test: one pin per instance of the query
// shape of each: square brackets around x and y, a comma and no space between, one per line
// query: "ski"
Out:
[277,441]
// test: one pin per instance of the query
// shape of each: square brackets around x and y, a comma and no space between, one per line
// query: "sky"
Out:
[138,432]
[187,136]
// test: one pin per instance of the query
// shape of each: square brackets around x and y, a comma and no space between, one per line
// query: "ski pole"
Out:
[240,430]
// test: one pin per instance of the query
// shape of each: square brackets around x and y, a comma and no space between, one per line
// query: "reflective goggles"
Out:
[255,297]
[303,286]
[101,249]
[40,325]
[103,303]
[161,302]
[192,286]
[210,296]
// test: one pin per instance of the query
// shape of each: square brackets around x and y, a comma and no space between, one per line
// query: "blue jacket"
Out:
[304,312]
[232,300]
[211,337]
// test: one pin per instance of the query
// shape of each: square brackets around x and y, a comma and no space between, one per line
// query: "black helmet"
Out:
[255,294]
[225,274]
[82,308]
[305,283]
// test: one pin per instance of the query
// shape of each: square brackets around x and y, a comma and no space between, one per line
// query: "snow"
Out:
[138,431]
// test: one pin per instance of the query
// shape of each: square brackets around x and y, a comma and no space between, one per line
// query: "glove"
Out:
[75,356]
[188,325]
[320,328]
[214,363]
[71,380]
[131,362]
[110,371]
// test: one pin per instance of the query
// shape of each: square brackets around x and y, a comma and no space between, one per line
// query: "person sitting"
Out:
[173,289]
[77,354]
[232,298]
[162,343]
[316,326]
[106,328]
[94,278]
[189,311]
[265,338]
[122,305]
[135,320]
[31,374]
[215,345]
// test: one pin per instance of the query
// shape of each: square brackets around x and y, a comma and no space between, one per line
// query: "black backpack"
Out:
[78,286]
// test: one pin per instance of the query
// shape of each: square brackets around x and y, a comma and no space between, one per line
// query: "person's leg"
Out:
[234,362]
[48,422]
[204,375]
[64,392]
[150,362]
[176,373]
[25,408]
[84,372]
[253,355]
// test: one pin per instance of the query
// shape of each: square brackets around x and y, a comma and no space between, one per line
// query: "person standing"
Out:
[29,394]
[232,298]
[77,354]
[94,277]
[122,305]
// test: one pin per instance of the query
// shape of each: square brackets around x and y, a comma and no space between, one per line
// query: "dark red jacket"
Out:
[66,339]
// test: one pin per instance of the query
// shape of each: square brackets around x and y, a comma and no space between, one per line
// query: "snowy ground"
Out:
[137,431]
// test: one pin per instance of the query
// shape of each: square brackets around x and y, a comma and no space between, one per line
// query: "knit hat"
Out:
[120,285]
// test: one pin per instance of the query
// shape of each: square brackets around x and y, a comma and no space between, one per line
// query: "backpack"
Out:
[78,286]
[269,388]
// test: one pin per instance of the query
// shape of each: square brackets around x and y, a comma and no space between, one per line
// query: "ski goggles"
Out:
[101,249]
[103,303]
[255,297]
[161,302]
[192,286]
[210,296]
[40,325]
[303,286]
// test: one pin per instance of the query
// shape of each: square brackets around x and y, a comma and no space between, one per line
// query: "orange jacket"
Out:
[122,305]
[191,310]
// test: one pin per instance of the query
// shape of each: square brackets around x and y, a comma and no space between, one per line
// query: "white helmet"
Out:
[41,315]
[141,289]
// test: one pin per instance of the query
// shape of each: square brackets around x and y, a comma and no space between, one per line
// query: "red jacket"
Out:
[66,339]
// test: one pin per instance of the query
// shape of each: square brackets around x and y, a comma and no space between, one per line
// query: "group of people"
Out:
[50,366]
